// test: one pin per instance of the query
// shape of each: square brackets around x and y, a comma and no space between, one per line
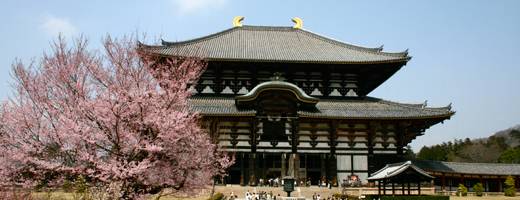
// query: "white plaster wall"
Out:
[343,162]
[360,162]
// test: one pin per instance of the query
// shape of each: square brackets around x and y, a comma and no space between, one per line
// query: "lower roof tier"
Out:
[364,108]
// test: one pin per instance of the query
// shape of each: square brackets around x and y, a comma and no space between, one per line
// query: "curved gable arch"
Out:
[266,89]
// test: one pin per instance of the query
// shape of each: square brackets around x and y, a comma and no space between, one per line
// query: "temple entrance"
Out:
[266,166]
[314,176]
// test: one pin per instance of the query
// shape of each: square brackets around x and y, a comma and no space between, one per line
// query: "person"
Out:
[248,195]
[314,196]
[318,197]
[232,196]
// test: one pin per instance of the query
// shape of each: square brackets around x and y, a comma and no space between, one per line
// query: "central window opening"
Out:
[274,129]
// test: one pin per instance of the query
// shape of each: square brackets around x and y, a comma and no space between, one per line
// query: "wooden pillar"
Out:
[402,188]
[500,184]
[294,159]
[384,186]
[400,133]
[264,167]
[322,166]
[443,182]
[294,166]
[408,183]
[419,187]
[371,131]
[379,187]
[393,188]
[283,168]
[252,169]
[333,136]
[462,180]
[332,171]
[242,170]
[450,183]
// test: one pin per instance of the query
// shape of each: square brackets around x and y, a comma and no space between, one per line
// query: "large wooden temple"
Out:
[288,101]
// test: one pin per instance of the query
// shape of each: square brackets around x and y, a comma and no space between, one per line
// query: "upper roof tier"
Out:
[275,44]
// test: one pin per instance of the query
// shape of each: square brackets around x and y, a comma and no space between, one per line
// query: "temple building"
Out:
[288,101]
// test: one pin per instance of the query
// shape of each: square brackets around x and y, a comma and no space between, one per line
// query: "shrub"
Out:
[416,197]
[510,190]
[462,190]
[478,189]
[217,196]
[14,194]
[67,186]
[344,196]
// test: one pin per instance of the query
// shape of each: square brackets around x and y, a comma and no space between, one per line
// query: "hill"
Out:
[501,147]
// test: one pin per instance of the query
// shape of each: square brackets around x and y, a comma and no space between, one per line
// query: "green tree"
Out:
[515,134]
[462,190]
[408,153]
[478,189]
[511,155]
[510,189]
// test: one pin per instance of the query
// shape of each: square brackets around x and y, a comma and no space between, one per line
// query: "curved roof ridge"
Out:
[143,45]
[199,39]
[376,50]
[476,163]
[220,33]
[277,84]
[414,106]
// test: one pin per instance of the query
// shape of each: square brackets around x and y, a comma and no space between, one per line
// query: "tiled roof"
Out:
[469,168]
[274,44]
[391,170]
[365,108]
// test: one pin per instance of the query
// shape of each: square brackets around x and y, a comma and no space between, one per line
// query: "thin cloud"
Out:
[54,26]
[185,7]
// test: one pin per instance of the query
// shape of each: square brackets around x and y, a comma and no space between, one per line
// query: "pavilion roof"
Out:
[357,108]
[469,168]
[275,44]
[399,169]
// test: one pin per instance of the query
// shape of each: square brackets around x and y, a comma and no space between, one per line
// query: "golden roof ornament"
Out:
[298,23]
[237,21]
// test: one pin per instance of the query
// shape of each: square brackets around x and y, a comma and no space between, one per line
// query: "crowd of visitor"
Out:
[262,195]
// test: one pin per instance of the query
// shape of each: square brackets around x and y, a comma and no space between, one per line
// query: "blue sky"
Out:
[464,52]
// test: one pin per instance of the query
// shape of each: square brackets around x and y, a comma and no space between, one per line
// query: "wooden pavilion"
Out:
[404,175]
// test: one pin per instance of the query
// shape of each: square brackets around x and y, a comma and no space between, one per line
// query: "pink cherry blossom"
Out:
[118,116]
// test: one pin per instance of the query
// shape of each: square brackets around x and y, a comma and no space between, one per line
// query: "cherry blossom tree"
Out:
[119,116]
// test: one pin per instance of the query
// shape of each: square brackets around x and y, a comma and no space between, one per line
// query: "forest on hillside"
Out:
[501,147]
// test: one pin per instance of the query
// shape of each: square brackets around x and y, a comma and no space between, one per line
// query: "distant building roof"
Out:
[364,108]
[469,168]
[275,44]
[400,169]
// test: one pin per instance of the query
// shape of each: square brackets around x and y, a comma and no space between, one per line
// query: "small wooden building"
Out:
[288,101]
[450,174]
[405,176]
